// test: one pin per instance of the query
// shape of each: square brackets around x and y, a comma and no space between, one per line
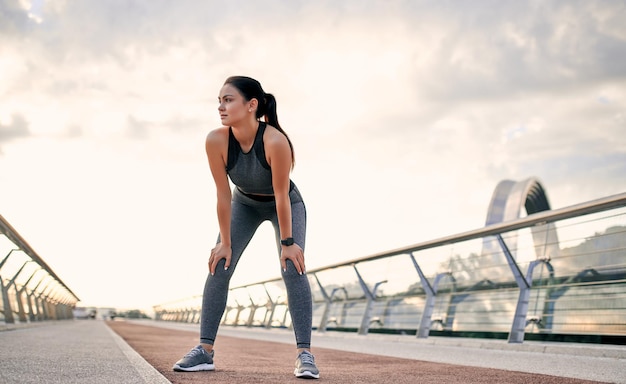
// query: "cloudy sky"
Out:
[404,114]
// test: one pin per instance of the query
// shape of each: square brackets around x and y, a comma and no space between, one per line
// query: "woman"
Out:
[258,157]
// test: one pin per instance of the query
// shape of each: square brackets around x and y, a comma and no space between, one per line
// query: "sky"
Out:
[405,115]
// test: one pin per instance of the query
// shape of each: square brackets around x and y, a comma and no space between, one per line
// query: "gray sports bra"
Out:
[250,171]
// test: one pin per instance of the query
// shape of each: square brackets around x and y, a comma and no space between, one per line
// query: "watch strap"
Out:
[288,241]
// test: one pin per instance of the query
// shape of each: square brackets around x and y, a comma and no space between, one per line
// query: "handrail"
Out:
[54,301]
[594,206]
[7,230]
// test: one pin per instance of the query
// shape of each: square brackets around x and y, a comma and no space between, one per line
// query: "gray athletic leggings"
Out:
[246,216]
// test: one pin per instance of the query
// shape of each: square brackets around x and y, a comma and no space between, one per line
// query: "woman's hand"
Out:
[295,254]
[218,253]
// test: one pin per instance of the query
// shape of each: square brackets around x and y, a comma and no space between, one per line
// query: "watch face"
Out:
[287,241]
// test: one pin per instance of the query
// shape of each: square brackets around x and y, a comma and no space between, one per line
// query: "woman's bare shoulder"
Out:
[217,135]
[273,136]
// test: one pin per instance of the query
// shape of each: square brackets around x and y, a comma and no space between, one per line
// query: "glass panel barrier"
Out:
[555,272]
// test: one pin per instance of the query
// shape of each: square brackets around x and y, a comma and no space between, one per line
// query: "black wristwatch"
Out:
[288,241]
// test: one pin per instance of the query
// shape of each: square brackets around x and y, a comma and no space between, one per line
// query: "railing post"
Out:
[8,312]
[369,305]
[431,296]
[44,299]
[269,315]
[240,308]
[20,305]
[524,283]
[37,304]
[424,328]
[328,300]
[52,301]
[31,312]
[6,303]
[519,320]
[253,307]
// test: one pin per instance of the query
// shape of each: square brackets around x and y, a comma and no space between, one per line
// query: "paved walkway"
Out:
[124,352]
[70,352]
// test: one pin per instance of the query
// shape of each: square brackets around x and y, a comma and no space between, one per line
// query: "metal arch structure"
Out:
[509,196]
[506,204]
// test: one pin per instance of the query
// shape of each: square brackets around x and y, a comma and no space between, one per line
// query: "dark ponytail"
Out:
[251,89]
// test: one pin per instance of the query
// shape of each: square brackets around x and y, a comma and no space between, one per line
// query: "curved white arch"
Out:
[506,204]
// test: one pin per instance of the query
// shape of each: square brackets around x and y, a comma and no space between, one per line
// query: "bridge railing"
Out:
[31,291]
[553,272]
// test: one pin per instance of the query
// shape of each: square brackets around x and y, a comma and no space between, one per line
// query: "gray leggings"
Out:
[246,216]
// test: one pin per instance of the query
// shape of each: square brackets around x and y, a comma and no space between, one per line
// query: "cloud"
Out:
[496,50]
[404,114]
[15,128]
[13,18]
[452,76]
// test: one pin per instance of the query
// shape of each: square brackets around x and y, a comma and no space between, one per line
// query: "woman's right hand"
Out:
[218,253]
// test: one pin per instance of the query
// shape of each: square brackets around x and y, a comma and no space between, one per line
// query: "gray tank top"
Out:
[249,171]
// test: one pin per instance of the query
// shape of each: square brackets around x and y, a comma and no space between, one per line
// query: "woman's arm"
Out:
[217,152]
[279,158]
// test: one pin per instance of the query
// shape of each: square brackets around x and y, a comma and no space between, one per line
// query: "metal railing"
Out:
[31,291]
[553,272]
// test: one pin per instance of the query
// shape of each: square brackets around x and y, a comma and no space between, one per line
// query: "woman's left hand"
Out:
[295,254]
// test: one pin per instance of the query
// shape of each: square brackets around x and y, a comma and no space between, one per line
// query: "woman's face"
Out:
[233,107]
